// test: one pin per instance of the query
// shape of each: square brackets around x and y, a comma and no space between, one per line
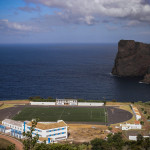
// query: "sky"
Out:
[74,21]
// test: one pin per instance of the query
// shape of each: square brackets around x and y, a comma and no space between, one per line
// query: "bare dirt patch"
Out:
[85,133]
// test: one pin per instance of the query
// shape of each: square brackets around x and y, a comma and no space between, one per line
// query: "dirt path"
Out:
[18,144]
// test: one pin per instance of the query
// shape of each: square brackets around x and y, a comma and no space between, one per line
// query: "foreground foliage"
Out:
[113,142]
[30,140]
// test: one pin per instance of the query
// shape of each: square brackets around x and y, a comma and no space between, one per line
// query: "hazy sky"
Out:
[74,21]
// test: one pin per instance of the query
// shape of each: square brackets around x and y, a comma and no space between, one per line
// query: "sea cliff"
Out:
[132,60]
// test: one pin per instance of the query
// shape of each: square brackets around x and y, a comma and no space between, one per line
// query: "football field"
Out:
[70,114]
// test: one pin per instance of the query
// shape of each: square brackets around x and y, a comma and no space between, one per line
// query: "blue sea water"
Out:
[65,71]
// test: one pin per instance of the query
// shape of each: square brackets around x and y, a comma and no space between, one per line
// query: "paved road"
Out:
[8,113]
[18,144]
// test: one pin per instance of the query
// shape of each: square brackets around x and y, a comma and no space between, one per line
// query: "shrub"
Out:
[142,122]
[145,112]
[148,117]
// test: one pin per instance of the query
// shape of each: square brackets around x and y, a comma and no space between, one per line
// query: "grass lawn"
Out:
[4,144]
[72,114]
[7,106]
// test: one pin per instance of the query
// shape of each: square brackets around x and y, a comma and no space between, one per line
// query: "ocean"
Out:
[65,71]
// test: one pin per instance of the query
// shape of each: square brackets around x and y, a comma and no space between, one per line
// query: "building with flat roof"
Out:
[48,131]
[136,112]
[128,126]
[67,102]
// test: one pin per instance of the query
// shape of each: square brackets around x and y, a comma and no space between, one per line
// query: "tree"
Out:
[30,141]
[148,117]
[110,128]
[146,143]
[142,122]
[49,98]
[140,139]
[114,100]
[11,147]
[145,112]
[99,144]
[56,146]
[35,98]
[115,141]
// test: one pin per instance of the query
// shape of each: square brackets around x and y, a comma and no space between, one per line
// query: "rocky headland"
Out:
[132,60]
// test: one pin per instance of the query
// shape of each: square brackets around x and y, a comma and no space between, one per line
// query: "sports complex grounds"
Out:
[69,114]
[89,115]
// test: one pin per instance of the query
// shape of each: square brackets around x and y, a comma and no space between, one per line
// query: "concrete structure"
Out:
[136,112]
[73,102]
[128,126]
[67,102]
[48,131]
[134,138]
[43,103]
[90,104]
[14,128]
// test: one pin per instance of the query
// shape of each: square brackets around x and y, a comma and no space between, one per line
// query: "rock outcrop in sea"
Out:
[132,60]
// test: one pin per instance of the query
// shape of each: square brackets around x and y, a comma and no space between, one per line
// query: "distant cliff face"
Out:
[133,59]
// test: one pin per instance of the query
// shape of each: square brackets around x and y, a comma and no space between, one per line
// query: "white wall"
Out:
[42,103]
[134,138]
[90,104]
[130,126]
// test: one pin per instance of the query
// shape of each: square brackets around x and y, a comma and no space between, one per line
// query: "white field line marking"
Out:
[61,114]
[105,114]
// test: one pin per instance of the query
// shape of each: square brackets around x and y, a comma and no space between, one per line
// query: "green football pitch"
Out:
[70,114]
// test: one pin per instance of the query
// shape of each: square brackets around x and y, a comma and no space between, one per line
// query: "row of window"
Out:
[48,130]
[16,131]
[56,130]
[12,126]
[35,129]
[57,134]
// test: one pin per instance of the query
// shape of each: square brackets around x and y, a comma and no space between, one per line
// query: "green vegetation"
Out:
[72,114]
[30,141]
[145,109]
[113,142]
[6,145]
[50,99]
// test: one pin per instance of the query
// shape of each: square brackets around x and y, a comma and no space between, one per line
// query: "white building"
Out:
[67,102]
[136,112]
[134,138]
[128,126]
[14,128]
[48,131]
